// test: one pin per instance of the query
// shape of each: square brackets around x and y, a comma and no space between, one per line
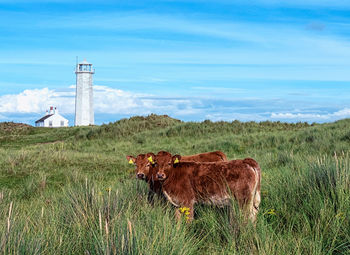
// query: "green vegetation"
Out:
[71,190]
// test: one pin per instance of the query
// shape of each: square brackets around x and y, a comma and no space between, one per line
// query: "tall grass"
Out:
[77,194]
[90,219]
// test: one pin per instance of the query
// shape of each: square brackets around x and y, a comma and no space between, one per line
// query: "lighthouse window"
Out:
[50,123]
[85,68]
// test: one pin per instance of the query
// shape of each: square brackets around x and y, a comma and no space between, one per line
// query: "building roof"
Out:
[84,62]
[43,118]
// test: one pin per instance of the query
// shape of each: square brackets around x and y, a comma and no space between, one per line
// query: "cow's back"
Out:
[213,156]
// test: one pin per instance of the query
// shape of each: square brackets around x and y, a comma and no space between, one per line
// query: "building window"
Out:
[50,123]
[62,123]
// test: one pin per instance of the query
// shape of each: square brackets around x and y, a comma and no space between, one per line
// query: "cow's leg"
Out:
[251,206]
[255,197]
[249,198]
[150,197]
[245,199]
[177,214]
[255,208]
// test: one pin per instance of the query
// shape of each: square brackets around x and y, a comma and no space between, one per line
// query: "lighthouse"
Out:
[84,110]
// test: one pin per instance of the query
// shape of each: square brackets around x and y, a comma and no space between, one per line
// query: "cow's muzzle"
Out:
[161,176]
[140,176]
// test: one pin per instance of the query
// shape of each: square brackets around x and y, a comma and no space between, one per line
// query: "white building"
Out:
[52,119]
[84,111]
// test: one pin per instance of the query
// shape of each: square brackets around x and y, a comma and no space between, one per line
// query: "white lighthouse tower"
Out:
[84,111]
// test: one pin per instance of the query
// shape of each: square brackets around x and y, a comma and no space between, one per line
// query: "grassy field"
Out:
[71,190]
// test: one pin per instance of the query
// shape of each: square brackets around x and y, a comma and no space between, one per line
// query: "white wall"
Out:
[84,112]
[56,121]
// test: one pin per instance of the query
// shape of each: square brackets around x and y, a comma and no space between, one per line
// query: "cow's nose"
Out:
[161,176]
[141,176]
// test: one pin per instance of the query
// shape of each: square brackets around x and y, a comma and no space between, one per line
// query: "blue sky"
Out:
[193,60]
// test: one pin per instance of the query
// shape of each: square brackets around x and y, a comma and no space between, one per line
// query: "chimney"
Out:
[47,112]
[56,111]
[51,109]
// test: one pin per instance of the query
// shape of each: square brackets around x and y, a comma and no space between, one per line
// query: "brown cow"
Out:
[146,166]
[146,171]
[213,156]
[186,183]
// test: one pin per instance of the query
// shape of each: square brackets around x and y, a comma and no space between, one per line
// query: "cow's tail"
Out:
[255,199]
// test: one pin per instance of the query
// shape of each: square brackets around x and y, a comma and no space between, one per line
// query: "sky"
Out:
[190,59]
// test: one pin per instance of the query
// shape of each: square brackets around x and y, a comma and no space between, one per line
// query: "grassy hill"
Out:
[71,190]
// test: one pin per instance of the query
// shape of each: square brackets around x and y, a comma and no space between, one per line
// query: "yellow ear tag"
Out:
[150,159]
[176,161]
[131,161]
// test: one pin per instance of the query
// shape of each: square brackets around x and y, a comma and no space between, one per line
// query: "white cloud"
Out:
[109,100]
[113,101]
[231,116]
[106,100]
[32,101]
[344,113]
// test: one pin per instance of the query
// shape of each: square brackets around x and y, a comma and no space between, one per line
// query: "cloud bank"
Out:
[28,105]
[341,114]
[106,101]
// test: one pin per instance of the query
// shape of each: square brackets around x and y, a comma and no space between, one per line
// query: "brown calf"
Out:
[146,166]
[145,171]
[186,183]
[213,156]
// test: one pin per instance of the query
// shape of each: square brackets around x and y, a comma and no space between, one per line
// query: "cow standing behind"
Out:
[146,168]
[186,183]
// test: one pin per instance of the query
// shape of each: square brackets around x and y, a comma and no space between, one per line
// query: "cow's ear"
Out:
[131,159]
[151,158]
[176,159]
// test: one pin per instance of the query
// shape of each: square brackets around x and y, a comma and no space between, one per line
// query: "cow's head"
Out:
[165,164]
[144,163]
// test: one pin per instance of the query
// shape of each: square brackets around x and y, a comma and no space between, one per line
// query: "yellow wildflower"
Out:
[271,212]
[184,209]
